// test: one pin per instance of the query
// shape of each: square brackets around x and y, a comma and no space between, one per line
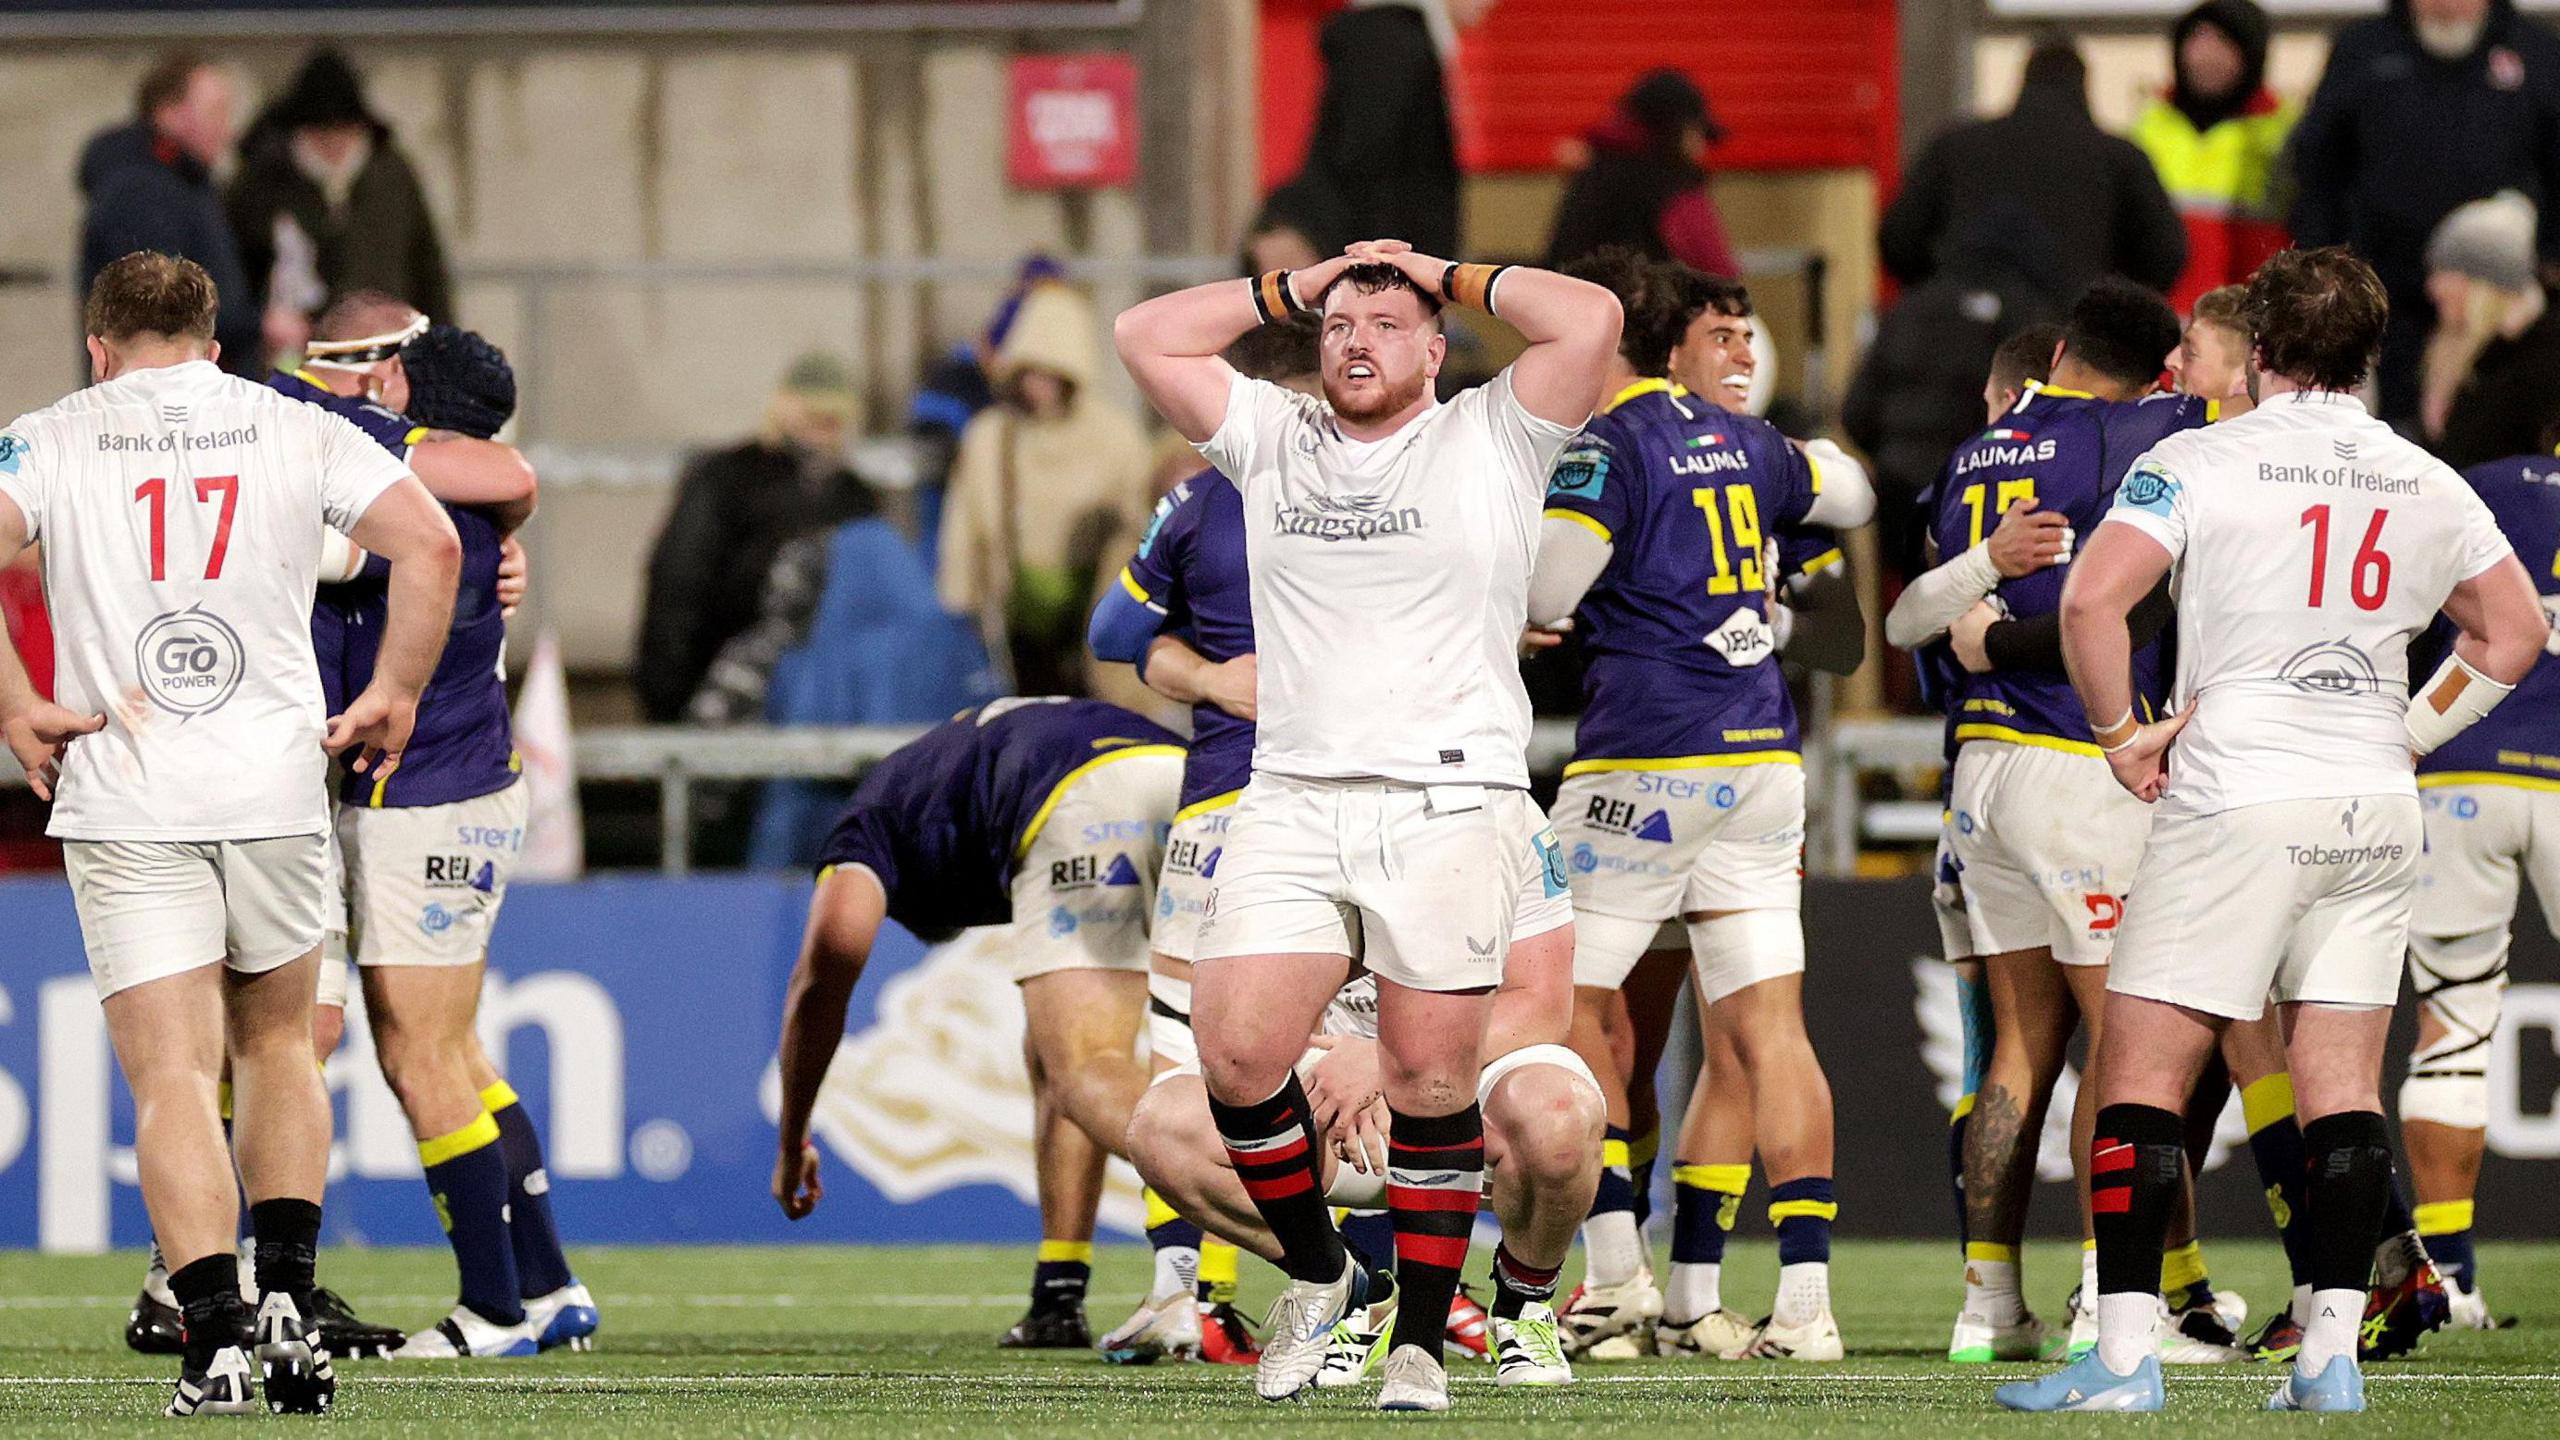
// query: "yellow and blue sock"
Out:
[1641,1153]
[2183,1281]
[467,1179]
[2275,1143]
[2445,1226]
[1059,1277]
[1973,1009]
[1218,1261]
[1803,1210]
[1705,1202]
[1177,1245]
[541,1265]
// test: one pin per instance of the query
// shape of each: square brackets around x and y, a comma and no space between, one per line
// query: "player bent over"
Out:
[2309,543]
[178,508]
[2492,797]
[1543,1115]
[1044,815]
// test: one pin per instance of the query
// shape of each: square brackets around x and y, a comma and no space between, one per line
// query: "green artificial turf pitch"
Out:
[900,1341]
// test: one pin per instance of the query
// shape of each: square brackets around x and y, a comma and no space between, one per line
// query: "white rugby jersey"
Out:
[2311,543]
[176,508]
[1390,582]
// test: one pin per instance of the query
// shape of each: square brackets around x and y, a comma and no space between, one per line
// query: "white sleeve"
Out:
[354,470]
[1571,556]
[1932,602]
[2154,501]
[1844,498]
[1529,443]
[22,472]
[2482,543]
[1251,405]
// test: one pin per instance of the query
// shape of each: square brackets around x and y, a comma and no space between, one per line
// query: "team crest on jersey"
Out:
[1579,474]
[13,453]
[1164,511]
[2149,489]
[2332,667]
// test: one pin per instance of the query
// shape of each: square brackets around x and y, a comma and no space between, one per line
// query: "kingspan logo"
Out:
[1345,517]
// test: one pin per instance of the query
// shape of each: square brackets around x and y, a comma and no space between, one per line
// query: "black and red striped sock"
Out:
[1272,1144]
[1516,1284]
[2137,1165]
[1435,1179]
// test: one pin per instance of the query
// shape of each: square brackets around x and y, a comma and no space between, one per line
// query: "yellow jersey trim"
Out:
[416,437]
[1821,562]
[498,1096]
[2486,777]
[1814,467]
[2039,387]
[2007,736]
[2212,411]
[375,802]
[1648,386]
[1687,762]
[1040,817]
[1199,808]
[1136,591]
[1586,522]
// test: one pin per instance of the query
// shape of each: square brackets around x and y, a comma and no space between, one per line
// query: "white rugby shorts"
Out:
[150,909]
[1946,895]
[1192,854]
[1422,883]
[1084,891]
[2048,844]
[1646,847]
[424,882]
[2292,900]
[2482,841]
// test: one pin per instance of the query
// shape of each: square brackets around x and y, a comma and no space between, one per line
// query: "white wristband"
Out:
[2452,699]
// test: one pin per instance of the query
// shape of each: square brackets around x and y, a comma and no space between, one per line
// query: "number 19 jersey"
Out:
[2310,542]
[178,509]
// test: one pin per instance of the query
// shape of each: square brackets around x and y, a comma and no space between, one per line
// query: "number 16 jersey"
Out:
[180,512]
[2310,542]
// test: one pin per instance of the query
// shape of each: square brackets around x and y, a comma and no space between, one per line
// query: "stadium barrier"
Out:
[637,1016]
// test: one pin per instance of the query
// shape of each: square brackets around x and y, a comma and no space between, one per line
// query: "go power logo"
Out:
[190,661]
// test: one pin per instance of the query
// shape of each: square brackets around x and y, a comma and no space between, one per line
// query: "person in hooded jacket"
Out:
[2094,193]
[1918,393]
[1644,187]
[1043,479]
[326,204]
[2425,108]
[2217,138]
[150,187]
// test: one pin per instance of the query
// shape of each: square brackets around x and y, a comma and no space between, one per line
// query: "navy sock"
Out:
[541,1265]
[1059,1277]
[1174,1234]
[1617,1177]
[1371,1234]
[467,1178]
[1803,1210]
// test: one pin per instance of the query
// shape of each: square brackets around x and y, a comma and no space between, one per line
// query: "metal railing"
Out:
[676,757]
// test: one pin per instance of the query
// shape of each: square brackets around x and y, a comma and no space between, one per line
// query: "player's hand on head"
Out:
[376,724]
[2028,539]
[40,734]
[2142,766]
[1969,634]
[796,1187]
[512,572]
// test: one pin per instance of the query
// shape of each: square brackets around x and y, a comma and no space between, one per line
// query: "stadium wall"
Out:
[637,1017]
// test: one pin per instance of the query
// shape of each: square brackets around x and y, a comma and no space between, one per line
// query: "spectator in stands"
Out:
[1042,479]
[1383,161]
[2434,104]
[326,204]
[1644,185]
[1284,235]
[1918,393]
[733,511]
[2217,139]
[2491,377]
[2095,193]
[955,389]
[150,187]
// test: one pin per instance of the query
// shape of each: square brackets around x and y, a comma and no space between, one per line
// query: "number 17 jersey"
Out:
[180,512]
[2310,542]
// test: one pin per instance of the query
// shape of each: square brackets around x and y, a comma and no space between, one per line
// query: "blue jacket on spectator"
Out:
[145,194]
